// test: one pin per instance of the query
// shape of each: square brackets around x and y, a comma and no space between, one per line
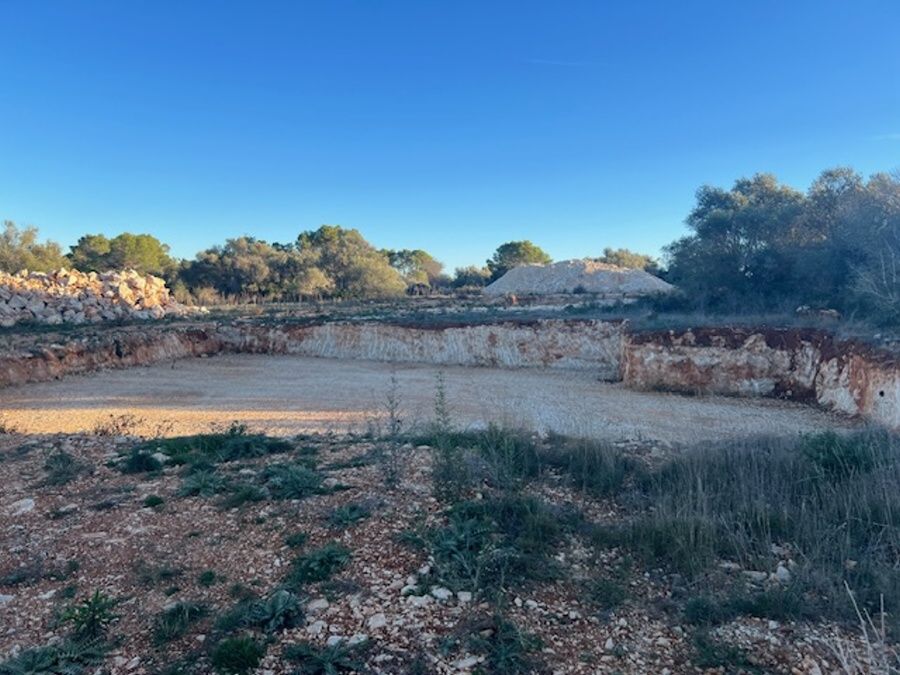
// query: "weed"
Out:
[237,656]
[712,653]
[292,481]
[211,449]
[139,461]
[90,617]
[319,564]
[490,543]
[153,501]
[606,594]
[243,493]
[174,622]
[207,578]
[202,484]
[278,611]
[506,649]
[61,468]
[592,466]
[67,657]
[150,575]
[117,425]
[339,658]
[296,539]
[344,516]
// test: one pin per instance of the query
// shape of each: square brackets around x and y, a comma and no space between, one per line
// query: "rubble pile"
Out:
[70,296]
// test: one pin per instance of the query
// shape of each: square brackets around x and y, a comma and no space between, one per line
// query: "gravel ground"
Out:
[288,394]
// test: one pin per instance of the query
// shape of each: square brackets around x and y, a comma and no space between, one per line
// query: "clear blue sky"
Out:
[447,125]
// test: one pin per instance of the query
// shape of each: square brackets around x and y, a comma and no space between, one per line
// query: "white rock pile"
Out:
[578,276]
[70,296]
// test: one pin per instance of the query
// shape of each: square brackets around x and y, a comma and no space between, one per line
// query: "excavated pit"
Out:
[592,378]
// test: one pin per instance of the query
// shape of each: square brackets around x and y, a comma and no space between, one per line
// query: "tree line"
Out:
[760,245]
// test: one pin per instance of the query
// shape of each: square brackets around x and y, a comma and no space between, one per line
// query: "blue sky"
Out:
[451,126]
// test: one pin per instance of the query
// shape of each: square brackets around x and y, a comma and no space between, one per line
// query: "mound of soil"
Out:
[573,276]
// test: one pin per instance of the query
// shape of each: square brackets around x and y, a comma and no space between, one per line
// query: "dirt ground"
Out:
[288,394]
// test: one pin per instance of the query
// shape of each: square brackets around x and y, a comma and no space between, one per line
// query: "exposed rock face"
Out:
[69,296]
[800,365]
[579,345]
[572,276]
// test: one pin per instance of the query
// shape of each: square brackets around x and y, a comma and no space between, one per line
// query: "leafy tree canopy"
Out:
[21,250]
[513,254]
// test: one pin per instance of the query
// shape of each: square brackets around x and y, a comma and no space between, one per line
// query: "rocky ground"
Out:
[68,529]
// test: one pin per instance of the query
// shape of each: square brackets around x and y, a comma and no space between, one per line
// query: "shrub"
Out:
[230,446]
[278,611]
[207,578]
[175,621]
[319,565]
[237,656]
[242,494]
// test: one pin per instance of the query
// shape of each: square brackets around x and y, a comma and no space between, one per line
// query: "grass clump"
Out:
[207,578]
[68,657]
[174,622]
[593,467]
[831,503]
[237,656]
[91,617]
[319,564]
[203,483]
[339,658]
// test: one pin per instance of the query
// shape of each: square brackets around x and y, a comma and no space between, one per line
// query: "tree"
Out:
[415,265]
[21,250]
[624,257]
[141,252]
[471,276]
[739,251]
[513,254]
[355,267]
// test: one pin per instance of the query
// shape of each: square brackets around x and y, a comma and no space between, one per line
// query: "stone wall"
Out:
[70,296]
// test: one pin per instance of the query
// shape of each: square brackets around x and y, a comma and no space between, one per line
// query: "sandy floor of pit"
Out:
[289,394]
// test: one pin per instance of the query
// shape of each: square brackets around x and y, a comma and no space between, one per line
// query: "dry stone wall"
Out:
[70,296]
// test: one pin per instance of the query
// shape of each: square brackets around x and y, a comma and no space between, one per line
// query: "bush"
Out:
[348,514]
[91,617]
[278,611]
[61,468]
[202,484]
[237,656]
[153,501]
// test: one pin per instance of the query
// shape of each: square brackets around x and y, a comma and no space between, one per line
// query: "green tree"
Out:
[415,265]
[624,257]
[141,252]
[471,276]
[513,254]
[355,267]
[21,250]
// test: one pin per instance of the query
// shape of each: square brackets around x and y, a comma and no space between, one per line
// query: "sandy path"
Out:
[288,394]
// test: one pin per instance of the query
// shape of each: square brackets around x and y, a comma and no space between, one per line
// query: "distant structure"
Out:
[578,276]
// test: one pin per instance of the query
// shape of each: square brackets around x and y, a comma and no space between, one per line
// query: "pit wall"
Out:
[792,364]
